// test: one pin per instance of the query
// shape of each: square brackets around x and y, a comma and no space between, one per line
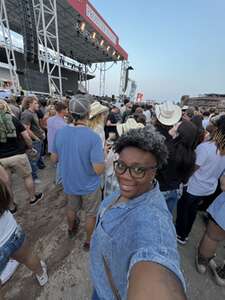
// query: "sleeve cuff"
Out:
[145,255]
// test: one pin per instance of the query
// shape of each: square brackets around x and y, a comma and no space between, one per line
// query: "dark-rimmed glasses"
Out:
[136,172]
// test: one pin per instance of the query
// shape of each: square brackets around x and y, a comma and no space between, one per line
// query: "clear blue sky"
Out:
[176,47]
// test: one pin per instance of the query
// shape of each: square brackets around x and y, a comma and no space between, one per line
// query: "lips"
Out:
[126,187]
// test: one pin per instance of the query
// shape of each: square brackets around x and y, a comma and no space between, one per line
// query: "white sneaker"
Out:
[182,241]
[43,279]
[218,272]
[9,270]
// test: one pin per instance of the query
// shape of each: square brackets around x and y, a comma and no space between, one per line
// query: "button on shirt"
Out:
[139,230]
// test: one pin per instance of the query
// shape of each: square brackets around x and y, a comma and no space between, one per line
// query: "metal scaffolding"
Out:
[102,79]
[7,43]
[48,39]
[83,77]
[133,89]
[124,66]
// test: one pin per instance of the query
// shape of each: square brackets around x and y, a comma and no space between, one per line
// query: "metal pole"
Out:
[4,23]
[57,48]
[86,70]
[104,78]
[100,81]
[124,66]
[42,11]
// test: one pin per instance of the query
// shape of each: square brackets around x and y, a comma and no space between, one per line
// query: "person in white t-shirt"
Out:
[206,120]
[13,242]
[148,114]
[202,185]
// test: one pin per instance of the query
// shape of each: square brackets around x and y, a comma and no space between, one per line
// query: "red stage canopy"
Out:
[90,15]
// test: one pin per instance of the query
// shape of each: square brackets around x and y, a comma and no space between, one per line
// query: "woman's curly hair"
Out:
[146,139]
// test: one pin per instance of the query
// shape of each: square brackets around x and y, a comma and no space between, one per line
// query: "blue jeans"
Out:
[187,209]
[95,296]
[171,198]
[40,162]
[34,163]
[11,246]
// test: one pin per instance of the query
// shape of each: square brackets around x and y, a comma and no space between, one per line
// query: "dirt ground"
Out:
[46,229]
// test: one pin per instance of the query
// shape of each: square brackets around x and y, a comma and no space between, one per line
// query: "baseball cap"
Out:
[80,105]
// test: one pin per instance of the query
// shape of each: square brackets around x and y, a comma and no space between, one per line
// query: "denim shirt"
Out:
[127,233]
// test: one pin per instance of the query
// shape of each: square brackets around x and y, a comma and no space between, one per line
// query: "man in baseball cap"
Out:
[81,159]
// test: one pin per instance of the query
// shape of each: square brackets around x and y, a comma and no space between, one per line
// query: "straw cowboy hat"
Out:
[130,124]
[96,109]
[168,113]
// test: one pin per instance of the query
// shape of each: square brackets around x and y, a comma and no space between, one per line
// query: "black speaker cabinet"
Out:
[29,31]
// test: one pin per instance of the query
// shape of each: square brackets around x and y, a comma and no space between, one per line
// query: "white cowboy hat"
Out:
[96,109]
[185,107]
[168,113]
[130,124]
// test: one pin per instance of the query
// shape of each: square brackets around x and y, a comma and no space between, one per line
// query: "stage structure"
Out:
[48,37]
[64,29]
[102,78]
[124,78]
[133,90]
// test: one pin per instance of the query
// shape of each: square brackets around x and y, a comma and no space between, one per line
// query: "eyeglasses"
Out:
[136,172]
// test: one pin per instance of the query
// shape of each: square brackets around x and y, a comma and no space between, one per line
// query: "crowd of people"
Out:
[133,169]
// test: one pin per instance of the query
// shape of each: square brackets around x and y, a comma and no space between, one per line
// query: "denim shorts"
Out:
[11,246]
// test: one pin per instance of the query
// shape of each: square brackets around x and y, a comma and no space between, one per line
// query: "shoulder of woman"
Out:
[109,199]
[152,212]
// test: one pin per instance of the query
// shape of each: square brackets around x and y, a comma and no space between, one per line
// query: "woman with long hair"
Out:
[50,112]
[180,141]
[184,154]
[97,119]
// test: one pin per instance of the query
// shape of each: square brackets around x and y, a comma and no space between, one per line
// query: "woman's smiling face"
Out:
[140,161]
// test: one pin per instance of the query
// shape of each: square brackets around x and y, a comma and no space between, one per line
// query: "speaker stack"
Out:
[29,31]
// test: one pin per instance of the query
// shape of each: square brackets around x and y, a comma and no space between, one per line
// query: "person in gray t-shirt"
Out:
[30,120]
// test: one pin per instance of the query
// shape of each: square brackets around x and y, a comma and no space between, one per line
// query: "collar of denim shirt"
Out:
[136,201]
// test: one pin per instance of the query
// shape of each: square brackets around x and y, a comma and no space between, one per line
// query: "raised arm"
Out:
[152,281]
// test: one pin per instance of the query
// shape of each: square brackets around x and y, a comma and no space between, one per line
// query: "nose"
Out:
[126,175]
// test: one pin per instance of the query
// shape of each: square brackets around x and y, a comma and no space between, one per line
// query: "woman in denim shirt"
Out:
[133,250]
